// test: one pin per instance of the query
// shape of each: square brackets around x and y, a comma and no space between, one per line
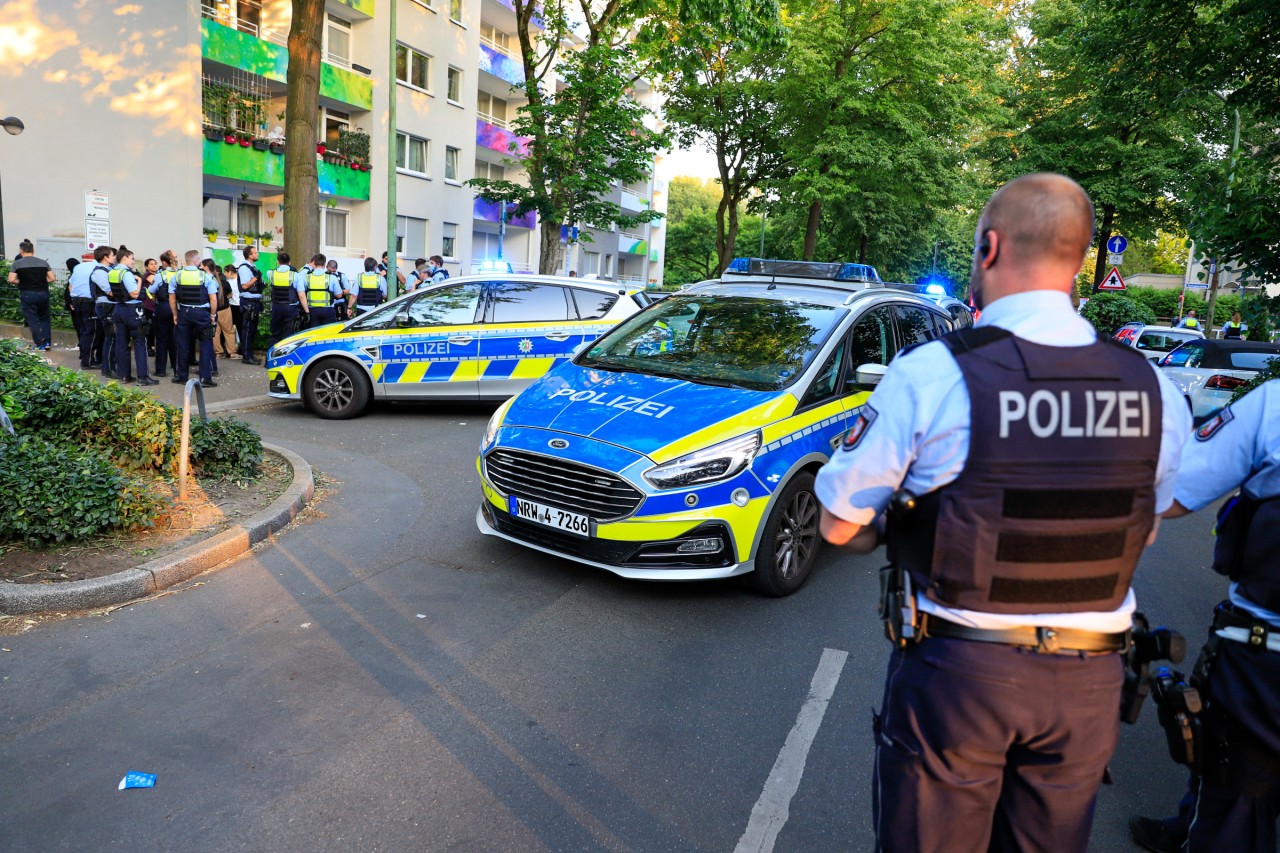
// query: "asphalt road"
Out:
[385,678]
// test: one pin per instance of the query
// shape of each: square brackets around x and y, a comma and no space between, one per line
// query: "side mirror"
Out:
[869,375]
[402,319]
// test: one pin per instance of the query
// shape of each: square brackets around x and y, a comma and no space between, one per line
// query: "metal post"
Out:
[184,444]
[764,219]
[502,226]
[393,281]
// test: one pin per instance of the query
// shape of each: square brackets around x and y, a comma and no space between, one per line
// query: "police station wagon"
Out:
[469,338]
[683,444]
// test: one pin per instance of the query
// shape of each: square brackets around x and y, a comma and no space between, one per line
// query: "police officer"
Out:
[249,281]
[82,303]
[104,335]
[340,308]
[1027,462]
[1235,800]
[320,287]
[436,270]
[193,299]
[382,270]
[126,294]
[159,290]
[286,300]
[1190,321]
[370,290]
[1234,329]
[418,276]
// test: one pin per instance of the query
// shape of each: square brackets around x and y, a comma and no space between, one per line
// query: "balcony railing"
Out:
[629,279]
[222,14]
[496,45]
[492,119]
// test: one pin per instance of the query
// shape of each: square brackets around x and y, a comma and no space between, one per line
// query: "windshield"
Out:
[1163,341]
[739,341]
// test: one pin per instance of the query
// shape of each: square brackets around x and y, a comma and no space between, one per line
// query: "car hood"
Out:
[658,417]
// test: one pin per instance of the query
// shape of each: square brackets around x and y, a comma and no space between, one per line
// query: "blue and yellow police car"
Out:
[478,337]
[683,444]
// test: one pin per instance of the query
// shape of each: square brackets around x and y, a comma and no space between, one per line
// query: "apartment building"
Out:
[158,123]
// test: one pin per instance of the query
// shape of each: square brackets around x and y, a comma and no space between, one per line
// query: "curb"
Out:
[170,569]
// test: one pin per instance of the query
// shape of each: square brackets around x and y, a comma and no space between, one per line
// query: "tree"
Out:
[302,103]
[584,133]
[691,248]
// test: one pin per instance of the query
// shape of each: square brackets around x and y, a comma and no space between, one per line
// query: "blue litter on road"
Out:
[134,779]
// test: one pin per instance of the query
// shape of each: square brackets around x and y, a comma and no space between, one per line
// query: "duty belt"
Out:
[185,305]
[1237,624]
[1043,640]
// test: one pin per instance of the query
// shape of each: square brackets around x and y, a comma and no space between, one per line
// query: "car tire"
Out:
[336,389]
[789,544]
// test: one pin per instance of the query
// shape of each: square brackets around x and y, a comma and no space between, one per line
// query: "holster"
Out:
[898,607]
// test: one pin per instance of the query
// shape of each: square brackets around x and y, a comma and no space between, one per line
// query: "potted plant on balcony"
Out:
[230,136]
[321,149]
[233,238]
[244,139]
[265,238]
[211,235]
[261,144]
[212,133]
[354,144]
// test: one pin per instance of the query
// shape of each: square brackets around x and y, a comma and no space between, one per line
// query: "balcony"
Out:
[632,244]
[265,169]
[500,65]
[240,44]
[490,211]
[496,138]
[364,7]
[632,201]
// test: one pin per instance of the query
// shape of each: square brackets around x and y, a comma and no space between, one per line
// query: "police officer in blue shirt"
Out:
[1235,799]
[193,299]
[320,287]
[126,294]
[250,282]
[370,289]
[287,297]
[82,304]
[159,291]
[104,335]
[1024,464]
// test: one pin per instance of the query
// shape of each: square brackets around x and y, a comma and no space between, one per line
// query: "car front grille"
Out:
[568,485]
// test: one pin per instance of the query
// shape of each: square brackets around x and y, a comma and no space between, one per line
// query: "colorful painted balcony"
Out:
[497,138]
[632,244]
[490,211]
[266,169]
[501,66]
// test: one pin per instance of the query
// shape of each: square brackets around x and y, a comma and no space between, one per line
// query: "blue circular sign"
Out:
[1117,244]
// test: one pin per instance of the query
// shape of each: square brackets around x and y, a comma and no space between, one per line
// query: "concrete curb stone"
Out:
[169,569]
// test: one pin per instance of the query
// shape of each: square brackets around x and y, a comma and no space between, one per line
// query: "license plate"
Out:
[570,522]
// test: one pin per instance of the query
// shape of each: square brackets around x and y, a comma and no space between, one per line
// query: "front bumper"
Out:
[285,383]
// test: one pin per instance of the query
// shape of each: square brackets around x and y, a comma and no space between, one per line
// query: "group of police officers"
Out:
[1015,470]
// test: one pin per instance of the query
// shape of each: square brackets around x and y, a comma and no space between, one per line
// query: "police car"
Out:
[683,444]
[476,337]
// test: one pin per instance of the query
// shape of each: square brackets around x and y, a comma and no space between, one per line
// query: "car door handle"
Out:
[461,340]
[557,336]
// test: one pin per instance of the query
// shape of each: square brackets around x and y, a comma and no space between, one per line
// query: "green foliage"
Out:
[1266,374]
[1109,311]
[57,492]
[226,448]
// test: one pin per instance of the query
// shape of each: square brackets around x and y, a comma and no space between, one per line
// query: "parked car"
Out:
[1208,372]
[1154,341]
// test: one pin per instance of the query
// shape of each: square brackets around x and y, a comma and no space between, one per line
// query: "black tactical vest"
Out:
[282,292]
[368,294]
[119,294]
[188,287]
[1056,499]
[1248,547]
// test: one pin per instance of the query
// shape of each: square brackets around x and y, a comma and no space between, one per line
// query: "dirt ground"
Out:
[211,507]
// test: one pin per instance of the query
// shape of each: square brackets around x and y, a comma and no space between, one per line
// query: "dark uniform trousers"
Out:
[164,336]
[104,339]
[250,309]
[86,320]
[321,316]
[971,736]
[127,319]
[35,310]
[284,319]
[192,321]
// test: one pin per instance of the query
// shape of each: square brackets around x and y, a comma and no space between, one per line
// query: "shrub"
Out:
[1109,311]
[58,492]
[225,448]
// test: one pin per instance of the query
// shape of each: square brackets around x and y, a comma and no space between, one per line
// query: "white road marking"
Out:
[772,809]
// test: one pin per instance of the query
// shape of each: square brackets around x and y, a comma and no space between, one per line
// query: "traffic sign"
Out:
[1115,260]
[1113,281]
[1117,244]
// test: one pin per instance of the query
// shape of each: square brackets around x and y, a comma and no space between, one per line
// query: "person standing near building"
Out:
[1234,802]
[339,304]
[287,296]
[417,277]
[237,316]
[224,338]
[1190,321]
[150,269]
[126,295]
[435,269]
[370,290]
[193,299]
[1017,516]
[104,336]
[33,276]
[319,288]
[1234,329]
[159,290]
[249,281]
[82,300]
[382,270]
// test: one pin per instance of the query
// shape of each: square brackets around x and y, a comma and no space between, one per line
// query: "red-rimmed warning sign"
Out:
[1113,281]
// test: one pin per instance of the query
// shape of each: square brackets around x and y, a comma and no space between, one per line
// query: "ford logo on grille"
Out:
[558,443]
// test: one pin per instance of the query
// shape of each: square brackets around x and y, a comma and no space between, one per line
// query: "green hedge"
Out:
[1109,311]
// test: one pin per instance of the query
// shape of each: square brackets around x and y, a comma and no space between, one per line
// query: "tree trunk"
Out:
[1213,298]
[551,254]
[862,250]
[731,236]
[722,227]
[1104,234]
[811,230]
[302,105]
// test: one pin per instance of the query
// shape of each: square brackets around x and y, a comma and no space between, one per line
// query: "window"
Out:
[590,263]
[335,229]
[824,386]
[413,68]
[411,153]
[528,303]
[1187,355]
[454,92]
[963,319]
[217,214]
[592,305]
[411,236]
[915,325]
[337,41]
[448,306]
[871,341]
[331,122]
[449,240]
[455,11]
[492,171]
[451,164]
[247,219]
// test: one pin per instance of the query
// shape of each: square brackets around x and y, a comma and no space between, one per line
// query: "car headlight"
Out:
[491,430]
[718,462]
[282,349]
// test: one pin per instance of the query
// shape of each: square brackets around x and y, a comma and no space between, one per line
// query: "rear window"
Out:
[1252,360]
[592,304]
[1162,341]
[1187,355]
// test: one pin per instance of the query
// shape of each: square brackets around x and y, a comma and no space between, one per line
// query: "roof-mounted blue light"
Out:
[495,265]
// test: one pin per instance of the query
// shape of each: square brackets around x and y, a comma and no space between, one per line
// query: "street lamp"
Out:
[12,126]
